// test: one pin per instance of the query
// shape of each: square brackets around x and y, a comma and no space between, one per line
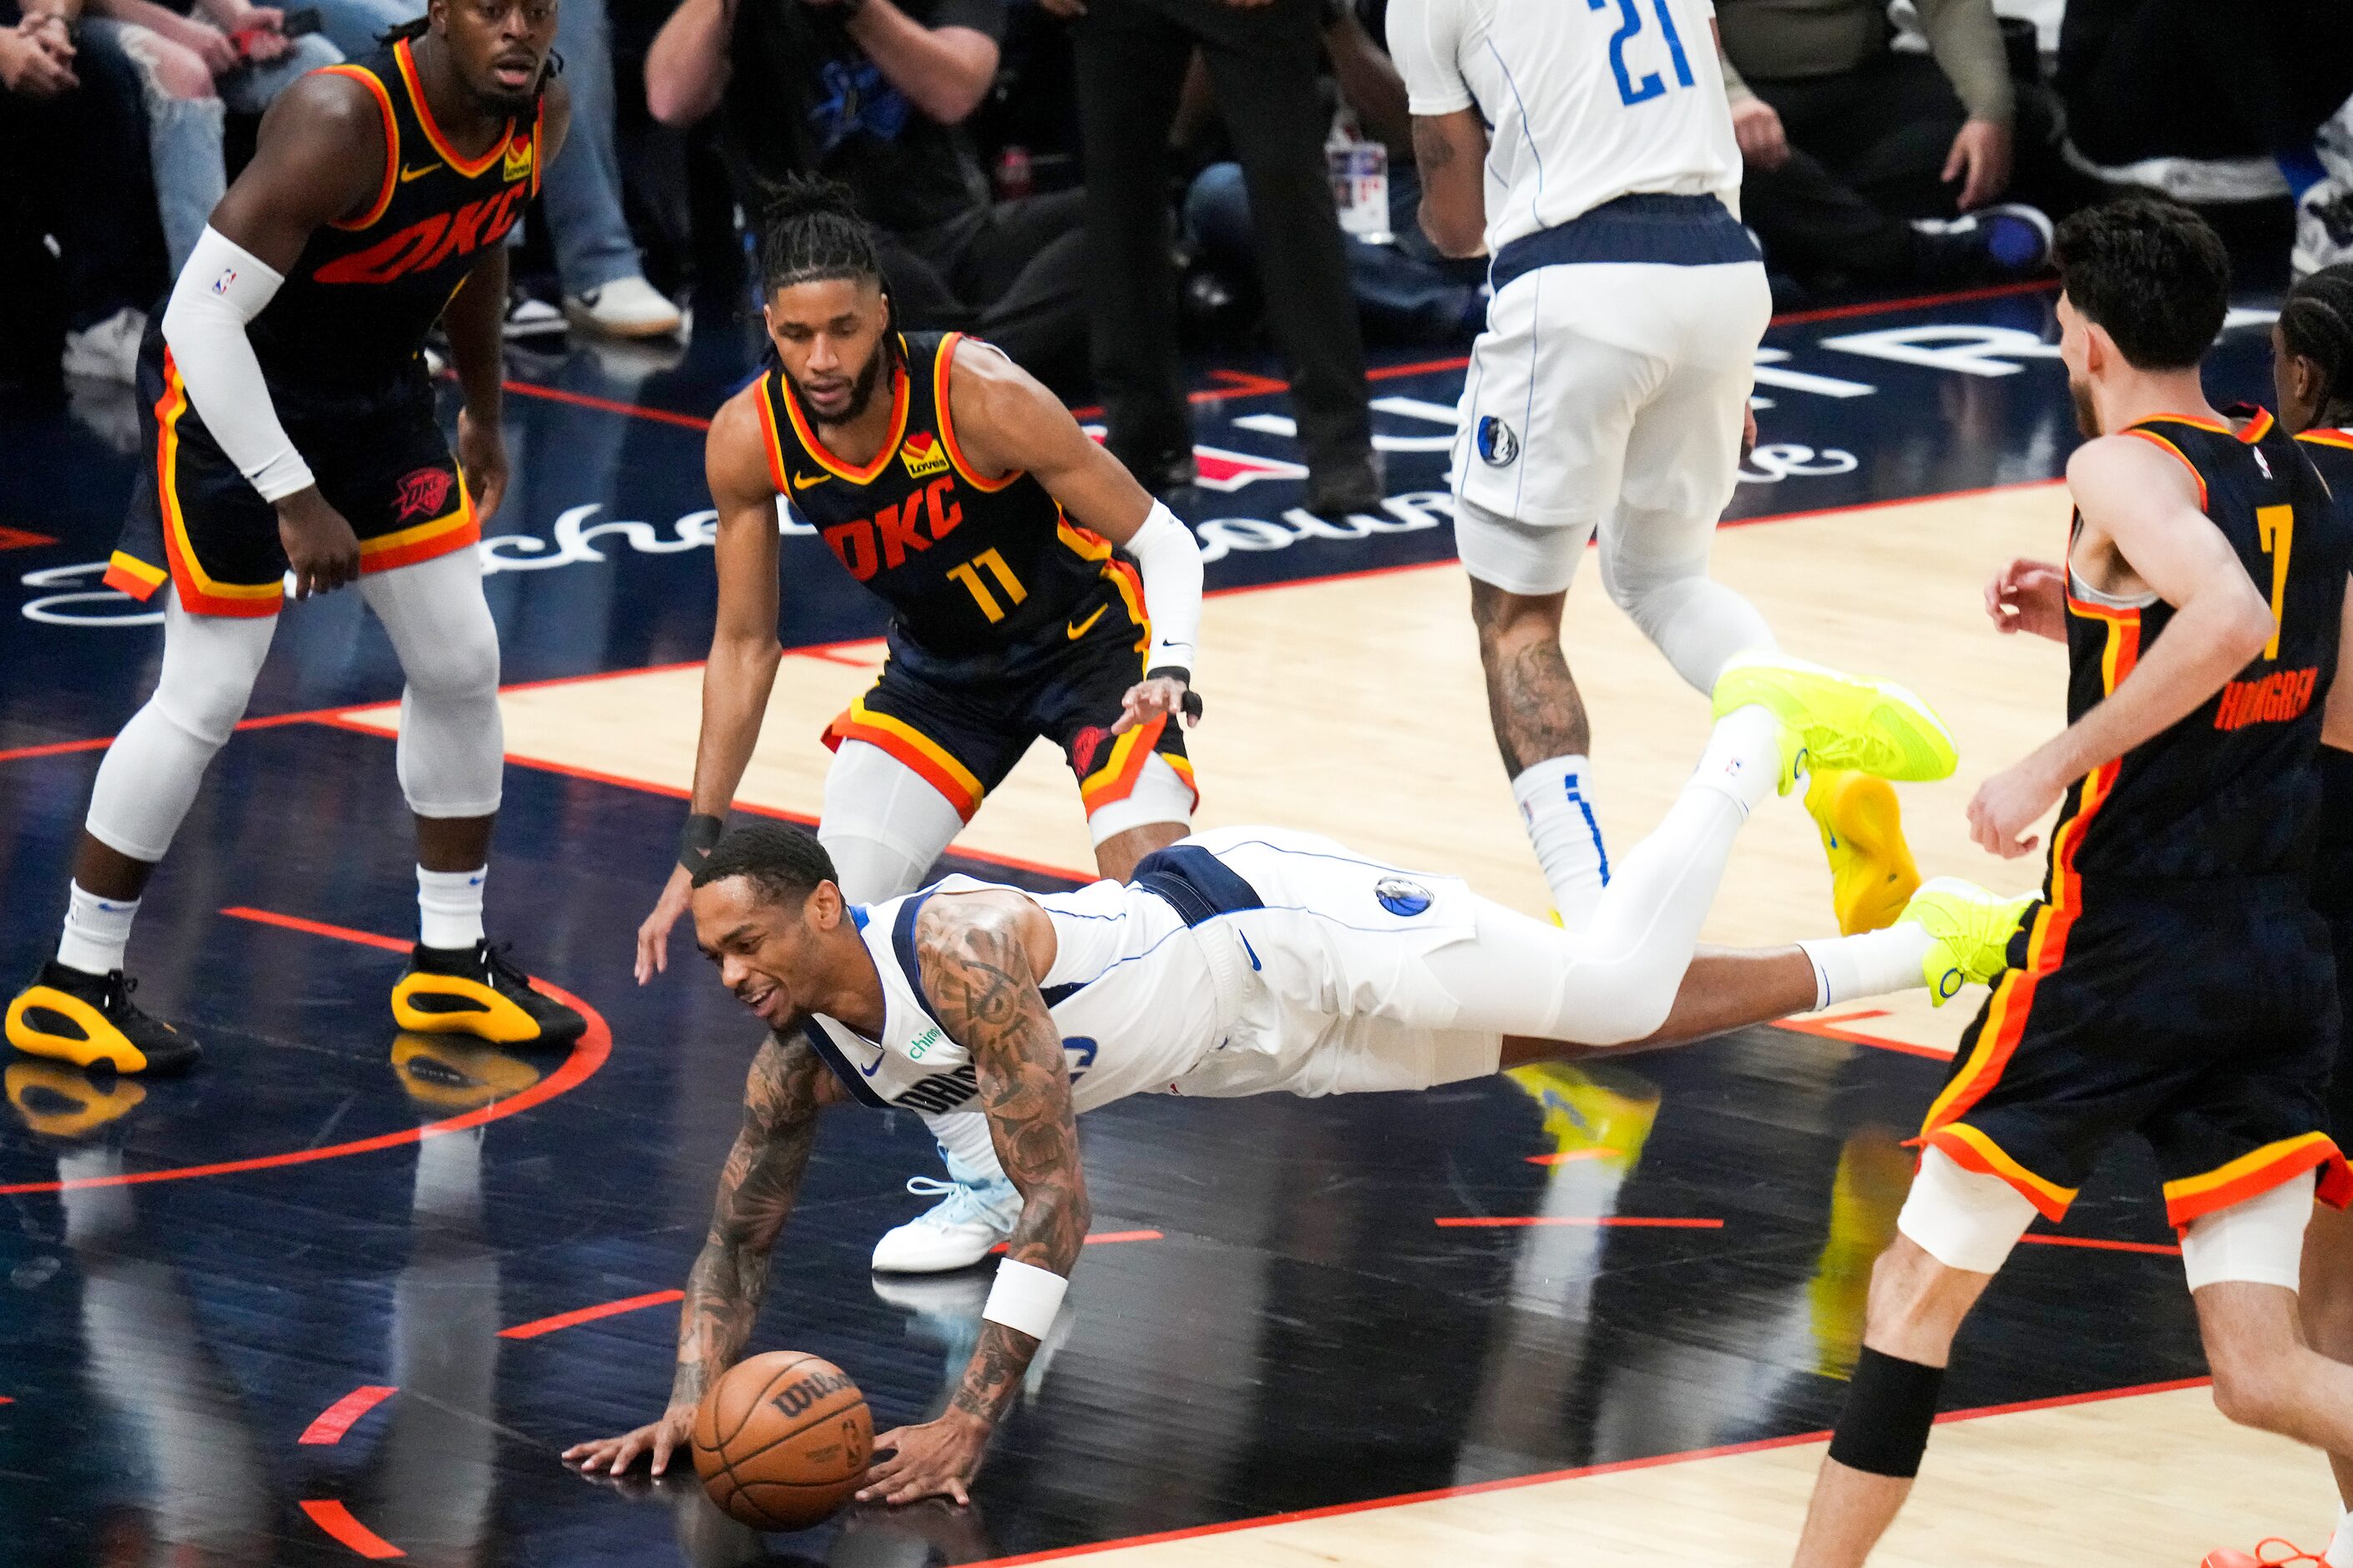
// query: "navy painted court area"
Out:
[345,1293]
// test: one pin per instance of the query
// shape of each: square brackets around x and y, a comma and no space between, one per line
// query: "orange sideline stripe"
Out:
[1512,1483]
[771,387]
[198,591]
[391,148]
[538,1326]
[408,62]
[2099,1244]
[336,1520]
[942,363]
[340,1417]
[1833,1029]
[1620,1221]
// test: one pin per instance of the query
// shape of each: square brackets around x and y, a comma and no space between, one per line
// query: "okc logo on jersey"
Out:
[422,494]
[1498,447]
[898,528]
[922,454]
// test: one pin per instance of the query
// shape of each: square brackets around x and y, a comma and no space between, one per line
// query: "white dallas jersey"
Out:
[1213,974]
[1586,101]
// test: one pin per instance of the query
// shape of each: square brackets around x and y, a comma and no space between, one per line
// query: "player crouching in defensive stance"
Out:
[294,437]
[1242,961]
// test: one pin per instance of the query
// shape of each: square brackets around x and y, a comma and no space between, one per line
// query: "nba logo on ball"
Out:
[1401,898]
[1498,447]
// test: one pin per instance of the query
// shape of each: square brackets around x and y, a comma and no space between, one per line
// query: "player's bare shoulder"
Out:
[736,453]
[1002,415]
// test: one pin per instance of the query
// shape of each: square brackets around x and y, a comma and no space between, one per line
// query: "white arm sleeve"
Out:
[1423,39]
[221,288]
[1170,559]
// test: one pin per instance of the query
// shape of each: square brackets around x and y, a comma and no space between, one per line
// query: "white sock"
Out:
[2340,1546]
[97,932]
[1743,760]
[1847,968]
[449,907]
[1556,805]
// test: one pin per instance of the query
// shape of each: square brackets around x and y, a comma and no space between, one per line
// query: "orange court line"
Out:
[586,1057]
[1833,1029]
[1102,1237]
[538,1326]
[336,1520]
[1512,1483]
[2100,1245]
[1623,1221]
[344,1414]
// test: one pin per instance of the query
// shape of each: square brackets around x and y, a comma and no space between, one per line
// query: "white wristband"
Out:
[1025,1299]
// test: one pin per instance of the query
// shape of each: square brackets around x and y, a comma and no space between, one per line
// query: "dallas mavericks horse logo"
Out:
[1498,447]
[1402,898]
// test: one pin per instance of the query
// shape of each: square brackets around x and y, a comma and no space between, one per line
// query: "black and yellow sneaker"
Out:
[479,991]
[64,1103]
[87,1019]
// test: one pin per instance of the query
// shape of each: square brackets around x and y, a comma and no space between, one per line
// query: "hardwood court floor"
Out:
[1370,722]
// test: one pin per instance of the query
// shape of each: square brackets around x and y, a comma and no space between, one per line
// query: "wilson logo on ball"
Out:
[809,1389]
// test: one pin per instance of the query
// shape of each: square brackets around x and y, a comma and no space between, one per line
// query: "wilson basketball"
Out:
[782,1440]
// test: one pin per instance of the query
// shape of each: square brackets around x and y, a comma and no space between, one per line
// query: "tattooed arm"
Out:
[981,956]
[786,1088]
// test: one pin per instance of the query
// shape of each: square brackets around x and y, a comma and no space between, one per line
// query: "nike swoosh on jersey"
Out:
[1078,629]
[418,173]
[803,481]
[869,1072]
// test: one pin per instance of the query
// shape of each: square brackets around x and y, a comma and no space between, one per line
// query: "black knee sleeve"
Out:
[1890,1406]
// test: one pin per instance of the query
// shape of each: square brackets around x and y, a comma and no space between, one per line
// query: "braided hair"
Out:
[810,231]
[2317,324]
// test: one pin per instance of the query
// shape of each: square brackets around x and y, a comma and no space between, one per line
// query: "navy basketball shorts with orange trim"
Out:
[196,522]
[964,723]
[2204,1019]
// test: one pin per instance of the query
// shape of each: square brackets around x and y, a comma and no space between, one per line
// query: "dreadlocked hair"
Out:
[810,231]
[2317,323]
[413,29]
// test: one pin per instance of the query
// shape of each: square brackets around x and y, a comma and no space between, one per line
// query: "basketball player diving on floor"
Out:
[1242,961]
[289,418]
[1018,559]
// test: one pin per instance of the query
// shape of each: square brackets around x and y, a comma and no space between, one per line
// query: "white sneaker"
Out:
[109,351]
[625,308]
[955,1232]
[2324,227]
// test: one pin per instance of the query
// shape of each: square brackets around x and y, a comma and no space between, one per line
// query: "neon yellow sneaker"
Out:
[1970,931]
[1872,875]
[1834,720]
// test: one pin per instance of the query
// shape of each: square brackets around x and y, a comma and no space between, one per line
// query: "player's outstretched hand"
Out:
[2029,596]
[653,937]
[934,1460]
[1149,700]
[322,551]
[2009,803]
[660,1439]
[483,453]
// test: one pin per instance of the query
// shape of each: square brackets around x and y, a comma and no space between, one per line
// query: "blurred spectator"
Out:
[873,93]
[1869,165]
[2149,83]
[80,181]
[1261,56]
[603,278]
[195,69]
[1406,291]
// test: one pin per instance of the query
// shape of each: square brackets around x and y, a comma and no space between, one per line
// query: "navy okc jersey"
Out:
[357,304]
[968,565]
[2230,791]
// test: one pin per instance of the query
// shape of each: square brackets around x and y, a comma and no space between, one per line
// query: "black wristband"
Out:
[1191,704]
[696,838]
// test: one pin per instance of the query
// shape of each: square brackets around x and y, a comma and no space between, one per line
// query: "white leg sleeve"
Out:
[2257,1242]
[883,825]
[151,773]
[1616,981]
[1161,794]
[452,751]
[1963,1218]
[1655,569]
